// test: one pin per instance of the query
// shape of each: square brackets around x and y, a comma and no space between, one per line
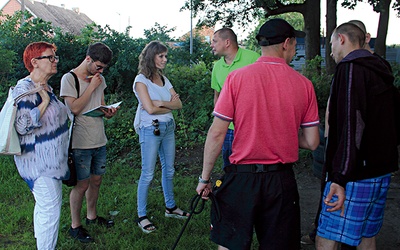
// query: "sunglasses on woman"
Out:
[156,129]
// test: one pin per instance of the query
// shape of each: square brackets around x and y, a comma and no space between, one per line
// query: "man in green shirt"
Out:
[225,45]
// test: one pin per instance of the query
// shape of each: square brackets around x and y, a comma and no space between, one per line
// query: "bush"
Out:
[123,143]
[396,73]
[321,81]
[192,83]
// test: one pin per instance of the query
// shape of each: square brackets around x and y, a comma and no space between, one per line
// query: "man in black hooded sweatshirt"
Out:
[362,144]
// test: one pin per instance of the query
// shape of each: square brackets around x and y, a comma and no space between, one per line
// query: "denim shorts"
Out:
[90,161]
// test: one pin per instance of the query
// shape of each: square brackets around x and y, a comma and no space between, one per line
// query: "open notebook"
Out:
[97,111]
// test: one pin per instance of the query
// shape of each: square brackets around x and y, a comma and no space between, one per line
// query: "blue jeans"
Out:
[164,146]
[90,161]
[227,148]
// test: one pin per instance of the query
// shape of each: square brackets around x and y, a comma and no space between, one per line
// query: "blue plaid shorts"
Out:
[363,215]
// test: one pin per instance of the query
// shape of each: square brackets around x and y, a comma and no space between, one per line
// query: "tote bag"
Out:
[9,141]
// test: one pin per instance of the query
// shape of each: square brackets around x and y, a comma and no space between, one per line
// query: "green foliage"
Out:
[16,203]
[192,83]
[15,37]
[351,4]
[321,81]
[158,33]
[13,40]
[7,64]
[123,68]
[305,153]
[201,53]
[123,143]
[227,12]
[396,73]
[294,18]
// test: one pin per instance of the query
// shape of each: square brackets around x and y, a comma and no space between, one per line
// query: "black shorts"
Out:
[265,202]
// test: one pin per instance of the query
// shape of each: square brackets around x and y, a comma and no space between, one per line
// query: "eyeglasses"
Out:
[98,67]
[156,129]
[51,58]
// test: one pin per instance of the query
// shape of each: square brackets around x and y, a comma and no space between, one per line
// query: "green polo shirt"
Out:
[221,69]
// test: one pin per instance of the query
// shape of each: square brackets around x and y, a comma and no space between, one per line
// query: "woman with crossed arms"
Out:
[155,125]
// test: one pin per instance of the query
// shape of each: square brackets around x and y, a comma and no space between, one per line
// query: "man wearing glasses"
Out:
[88,137]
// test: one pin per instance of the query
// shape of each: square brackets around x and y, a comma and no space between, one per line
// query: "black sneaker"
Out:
[100,221]
[80,234]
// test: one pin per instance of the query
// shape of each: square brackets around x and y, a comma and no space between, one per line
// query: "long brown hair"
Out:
[146,59]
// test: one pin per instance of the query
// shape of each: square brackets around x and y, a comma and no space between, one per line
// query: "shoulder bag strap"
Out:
[77,87]
[29,92]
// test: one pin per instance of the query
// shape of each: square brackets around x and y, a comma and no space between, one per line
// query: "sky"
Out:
[143,14]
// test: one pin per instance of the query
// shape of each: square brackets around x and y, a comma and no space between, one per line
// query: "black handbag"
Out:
[72,170]
[71,163]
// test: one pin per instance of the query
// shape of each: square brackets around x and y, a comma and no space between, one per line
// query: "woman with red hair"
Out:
[42,126]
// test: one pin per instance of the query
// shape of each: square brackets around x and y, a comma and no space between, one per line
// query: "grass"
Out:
[117,198]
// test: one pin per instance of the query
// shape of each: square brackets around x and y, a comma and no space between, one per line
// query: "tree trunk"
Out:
[312,23]
[311,11]
[380,42]
[331,11]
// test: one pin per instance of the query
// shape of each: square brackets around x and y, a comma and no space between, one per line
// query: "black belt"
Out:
[257,168]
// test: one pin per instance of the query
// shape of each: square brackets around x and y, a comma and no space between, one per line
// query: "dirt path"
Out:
[309,189]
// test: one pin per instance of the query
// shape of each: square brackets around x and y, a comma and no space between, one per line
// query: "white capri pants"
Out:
[46,215]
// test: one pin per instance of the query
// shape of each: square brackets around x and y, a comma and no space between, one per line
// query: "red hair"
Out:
[35,50]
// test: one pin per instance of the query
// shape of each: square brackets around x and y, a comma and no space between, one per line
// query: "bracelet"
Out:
[201,180]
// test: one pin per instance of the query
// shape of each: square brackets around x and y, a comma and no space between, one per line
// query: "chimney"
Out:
[76,10]
[63,5]
[44,1]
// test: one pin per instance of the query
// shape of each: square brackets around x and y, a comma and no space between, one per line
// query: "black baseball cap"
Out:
[276,31]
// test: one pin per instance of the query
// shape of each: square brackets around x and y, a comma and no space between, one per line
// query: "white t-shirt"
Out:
[156,93]
[88,131]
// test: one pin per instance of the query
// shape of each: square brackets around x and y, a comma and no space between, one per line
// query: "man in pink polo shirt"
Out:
[274,110]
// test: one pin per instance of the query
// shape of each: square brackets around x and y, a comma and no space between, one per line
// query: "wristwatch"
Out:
[201,180]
